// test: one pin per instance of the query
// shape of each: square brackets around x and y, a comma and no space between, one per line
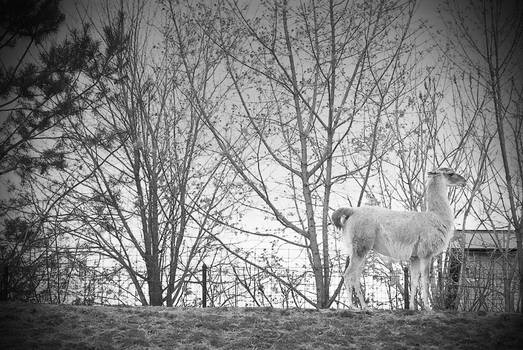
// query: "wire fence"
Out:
[99,281]
[284,288]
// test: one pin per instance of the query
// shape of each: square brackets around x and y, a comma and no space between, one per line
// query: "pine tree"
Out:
[43,86]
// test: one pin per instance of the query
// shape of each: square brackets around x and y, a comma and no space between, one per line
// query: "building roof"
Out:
[488,239]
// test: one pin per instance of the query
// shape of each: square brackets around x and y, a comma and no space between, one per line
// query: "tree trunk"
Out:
[519,241]
[317,267]
[155,285]
[155,281]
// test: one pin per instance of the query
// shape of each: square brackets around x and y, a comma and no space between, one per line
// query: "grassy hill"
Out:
[40,326]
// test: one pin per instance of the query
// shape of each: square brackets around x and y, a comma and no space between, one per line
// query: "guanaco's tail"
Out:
[340,215]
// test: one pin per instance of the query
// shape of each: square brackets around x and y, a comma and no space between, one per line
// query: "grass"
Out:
[41,326]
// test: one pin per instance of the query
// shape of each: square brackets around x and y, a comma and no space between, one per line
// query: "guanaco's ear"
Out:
[432,173]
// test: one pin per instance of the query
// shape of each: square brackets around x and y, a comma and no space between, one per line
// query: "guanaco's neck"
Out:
[438,201]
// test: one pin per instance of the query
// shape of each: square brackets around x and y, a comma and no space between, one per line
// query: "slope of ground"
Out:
[40,326]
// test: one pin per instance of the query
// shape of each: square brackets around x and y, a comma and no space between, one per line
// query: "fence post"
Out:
[406,287]
[4,282]
[204,285]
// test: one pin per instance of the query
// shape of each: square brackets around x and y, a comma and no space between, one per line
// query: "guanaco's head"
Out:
[451,178]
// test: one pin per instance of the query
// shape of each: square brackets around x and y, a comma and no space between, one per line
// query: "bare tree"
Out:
[154,177]
[301,77]
[485,40]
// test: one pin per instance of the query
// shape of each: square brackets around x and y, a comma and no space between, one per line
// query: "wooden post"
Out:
[406,287]
[204,285]
[4,282]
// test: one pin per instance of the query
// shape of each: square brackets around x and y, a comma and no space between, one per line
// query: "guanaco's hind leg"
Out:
[352,277]
[414,281]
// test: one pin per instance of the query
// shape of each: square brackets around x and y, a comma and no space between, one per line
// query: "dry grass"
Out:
[30,326]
